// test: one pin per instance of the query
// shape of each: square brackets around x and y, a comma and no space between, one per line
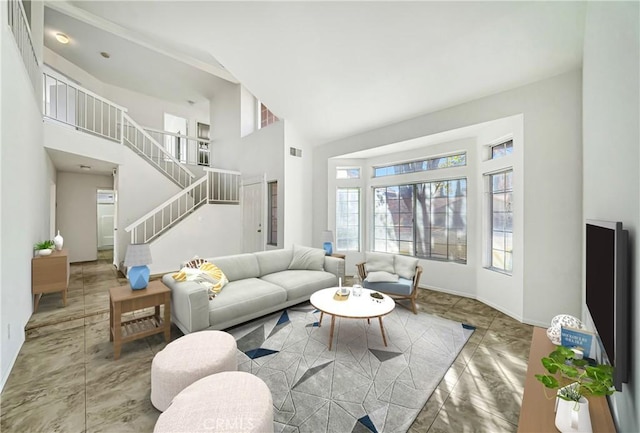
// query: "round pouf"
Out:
[233,401]
[187,359]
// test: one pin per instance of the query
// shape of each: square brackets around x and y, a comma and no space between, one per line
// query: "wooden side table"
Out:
[123,299]
[50,274]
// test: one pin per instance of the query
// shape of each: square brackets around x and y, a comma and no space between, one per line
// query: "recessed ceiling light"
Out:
[85,167]
[62,38]
[190,102]
[105,54]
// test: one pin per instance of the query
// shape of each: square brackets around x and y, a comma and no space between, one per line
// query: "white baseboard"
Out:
[11,364]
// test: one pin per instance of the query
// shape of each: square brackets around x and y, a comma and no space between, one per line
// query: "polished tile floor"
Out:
[65,378]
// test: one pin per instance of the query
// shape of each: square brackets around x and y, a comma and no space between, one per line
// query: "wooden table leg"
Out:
[167,318]
[110,320]
[320,321]
[117,330]
[36,301]
[333,322]
[384,339]
[64,297]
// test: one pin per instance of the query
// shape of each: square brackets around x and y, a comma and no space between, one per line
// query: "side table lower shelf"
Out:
[123,299]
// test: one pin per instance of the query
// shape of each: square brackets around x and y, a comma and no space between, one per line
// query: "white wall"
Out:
[612,157]
[551,111]
[248,112]
[140,188]
[297,213]
[257,155]
[501,291]
[211,231]
[67,139]
[77,212]
[25,175]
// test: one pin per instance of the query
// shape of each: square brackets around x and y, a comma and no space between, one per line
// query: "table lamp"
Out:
[136,260]
[327,239]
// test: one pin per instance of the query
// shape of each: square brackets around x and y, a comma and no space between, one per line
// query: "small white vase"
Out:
[58,241]
[573,416]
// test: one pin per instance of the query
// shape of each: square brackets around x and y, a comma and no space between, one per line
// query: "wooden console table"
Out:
[123,299]
[50,274]
[537,411]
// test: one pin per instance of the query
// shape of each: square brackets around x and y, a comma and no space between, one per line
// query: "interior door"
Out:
[106,212]
[252,208]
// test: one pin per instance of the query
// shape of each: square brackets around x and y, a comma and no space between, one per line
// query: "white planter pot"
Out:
[572,416]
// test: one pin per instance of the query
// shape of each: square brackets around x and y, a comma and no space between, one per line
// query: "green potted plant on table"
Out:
[44,248]
[580,380]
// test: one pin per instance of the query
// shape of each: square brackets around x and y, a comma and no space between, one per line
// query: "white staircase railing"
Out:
[224,186]
[186,149]
[218,186]
[74,105]
[17,20]
[142,143]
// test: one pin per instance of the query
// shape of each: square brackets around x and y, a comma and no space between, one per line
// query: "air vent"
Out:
[295,152]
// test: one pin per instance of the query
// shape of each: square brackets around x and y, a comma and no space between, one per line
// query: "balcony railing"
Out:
[74,105]
[17,20]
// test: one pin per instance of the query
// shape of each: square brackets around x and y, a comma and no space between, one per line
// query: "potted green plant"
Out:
[44,248]
[574,379]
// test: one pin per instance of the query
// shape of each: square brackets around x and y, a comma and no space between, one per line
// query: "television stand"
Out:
[537,414]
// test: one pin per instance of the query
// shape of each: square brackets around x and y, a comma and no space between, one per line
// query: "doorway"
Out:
[252,205]
[176,146]
[106,213]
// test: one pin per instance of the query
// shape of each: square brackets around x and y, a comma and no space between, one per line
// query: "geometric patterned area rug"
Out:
[360,386]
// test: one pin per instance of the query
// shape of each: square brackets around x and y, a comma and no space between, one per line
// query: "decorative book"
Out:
[579,339]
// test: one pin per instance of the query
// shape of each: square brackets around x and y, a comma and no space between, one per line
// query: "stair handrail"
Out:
[165,203]
[162,149]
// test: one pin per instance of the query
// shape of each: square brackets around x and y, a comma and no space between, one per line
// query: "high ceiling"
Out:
[335,69]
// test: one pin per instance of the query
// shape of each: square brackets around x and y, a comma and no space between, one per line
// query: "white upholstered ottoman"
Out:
[232,401]
[187,359]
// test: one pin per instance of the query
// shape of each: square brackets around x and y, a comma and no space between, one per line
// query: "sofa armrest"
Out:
[189,304]
[334,265]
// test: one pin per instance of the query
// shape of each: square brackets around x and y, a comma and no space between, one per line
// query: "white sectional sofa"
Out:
[259,283]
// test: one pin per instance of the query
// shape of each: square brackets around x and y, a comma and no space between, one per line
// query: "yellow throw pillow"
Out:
[217,277]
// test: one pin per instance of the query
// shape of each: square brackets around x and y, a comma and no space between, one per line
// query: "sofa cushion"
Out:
[305,258]
[274,261]
[302,284]
[238,267]
[405,266]
[382,277]
[402,287]
[243,297]
[379,262]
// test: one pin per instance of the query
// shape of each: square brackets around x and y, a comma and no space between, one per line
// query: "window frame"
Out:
[505,145]
[414,221]
[272,208]
[265,116]
[338,226]
[419,165]
[508,213]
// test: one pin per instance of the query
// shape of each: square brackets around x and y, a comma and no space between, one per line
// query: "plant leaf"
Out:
[548,381]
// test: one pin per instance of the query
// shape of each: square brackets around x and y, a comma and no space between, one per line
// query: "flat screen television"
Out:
[607,292]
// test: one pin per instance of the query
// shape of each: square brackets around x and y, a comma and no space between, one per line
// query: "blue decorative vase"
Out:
[328,248]
[139,277]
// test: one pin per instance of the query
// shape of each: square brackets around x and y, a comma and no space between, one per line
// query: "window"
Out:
[426,220]
[501,185]
[393,219]
[348,173]
[266,116]
[272,198]
[348,219]
[421,165]
[502,149]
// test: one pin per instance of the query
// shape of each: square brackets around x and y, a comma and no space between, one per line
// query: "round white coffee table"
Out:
[354,307]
